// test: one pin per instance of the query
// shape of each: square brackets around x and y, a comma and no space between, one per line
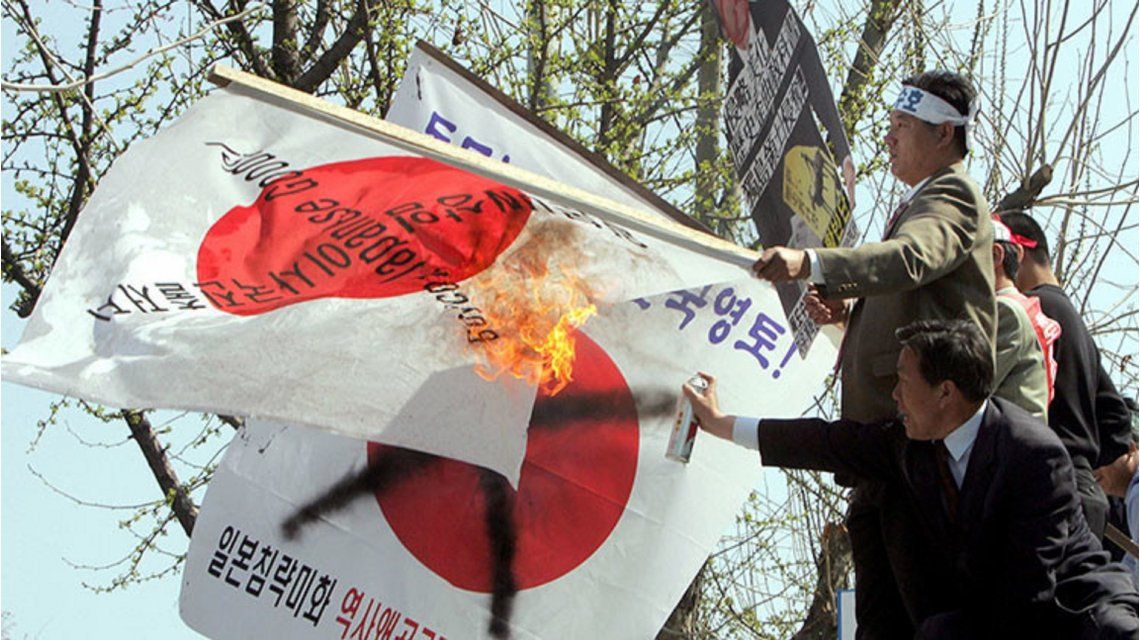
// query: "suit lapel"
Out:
[906,212]
[980,471]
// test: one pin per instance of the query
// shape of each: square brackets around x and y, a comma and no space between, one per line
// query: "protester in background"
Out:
[935,261]
[1119,478]
[1010,554]
[1020,371]
[1118,514]
[1087,412]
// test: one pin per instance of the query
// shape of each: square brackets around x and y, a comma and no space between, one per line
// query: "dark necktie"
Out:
[949,487]
[894,216]
[843,341]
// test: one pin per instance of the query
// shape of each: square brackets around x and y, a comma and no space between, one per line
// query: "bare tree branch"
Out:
[150,53]
[176,494]
[83,503]
[320,70]
[285,52]
[317,32]
[832,564]
[241,35]
[1025,195]
[233,421]
[14,272]
[880,18]
[82,183]
[1097,78]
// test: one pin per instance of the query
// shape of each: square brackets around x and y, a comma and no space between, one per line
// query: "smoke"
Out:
[568,409]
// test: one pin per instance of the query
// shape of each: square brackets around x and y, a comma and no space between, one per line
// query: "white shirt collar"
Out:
[961,440]
[915,189]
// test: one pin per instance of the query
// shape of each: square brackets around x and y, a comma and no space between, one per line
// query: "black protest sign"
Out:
[787,141]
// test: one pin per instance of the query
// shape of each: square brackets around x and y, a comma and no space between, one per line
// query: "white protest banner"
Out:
[270,256]
[442,99]
[604,532]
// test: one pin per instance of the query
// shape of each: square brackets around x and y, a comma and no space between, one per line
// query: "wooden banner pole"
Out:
[1118,537]
[474,162]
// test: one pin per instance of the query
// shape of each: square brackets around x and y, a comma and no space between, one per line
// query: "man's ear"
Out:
[947,389]
[999,253]
[1020,251]
[945,134]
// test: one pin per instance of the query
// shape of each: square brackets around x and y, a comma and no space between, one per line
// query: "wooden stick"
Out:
[1119,539]
[594,158]
[474,162]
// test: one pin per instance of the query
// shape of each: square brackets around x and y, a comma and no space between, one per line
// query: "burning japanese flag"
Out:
[312,535]
[262,258]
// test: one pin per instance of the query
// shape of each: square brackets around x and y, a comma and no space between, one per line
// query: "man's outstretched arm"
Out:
[866,450]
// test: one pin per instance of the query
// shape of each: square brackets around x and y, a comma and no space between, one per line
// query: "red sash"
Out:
[1046,328]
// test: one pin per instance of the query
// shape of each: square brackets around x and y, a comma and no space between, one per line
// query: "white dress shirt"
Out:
[960,443]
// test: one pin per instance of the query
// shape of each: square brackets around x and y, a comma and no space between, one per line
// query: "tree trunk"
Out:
[1024,196]
[832,565]
[285,50]
[851,101]
[708,117]
[608,79]
[682,623]
[536,55]
[155,454]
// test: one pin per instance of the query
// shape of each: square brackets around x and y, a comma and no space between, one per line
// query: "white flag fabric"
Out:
[254,259]
[607,532]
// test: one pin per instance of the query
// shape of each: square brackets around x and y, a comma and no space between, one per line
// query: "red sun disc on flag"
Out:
[371,228]
[580,464]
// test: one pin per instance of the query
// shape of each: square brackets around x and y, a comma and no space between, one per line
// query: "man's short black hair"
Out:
[954,350]
[953,88]
[1009,263]
[1023,225]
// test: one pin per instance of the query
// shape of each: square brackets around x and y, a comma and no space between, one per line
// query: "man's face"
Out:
[918,401]
[911,144]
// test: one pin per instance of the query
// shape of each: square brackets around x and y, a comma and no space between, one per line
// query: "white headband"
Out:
[930,108]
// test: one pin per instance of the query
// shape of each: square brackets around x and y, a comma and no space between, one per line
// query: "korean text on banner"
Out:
[606,531]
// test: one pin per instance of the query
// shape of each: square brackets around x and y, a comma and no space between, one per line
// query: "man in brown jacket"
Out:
[935,262]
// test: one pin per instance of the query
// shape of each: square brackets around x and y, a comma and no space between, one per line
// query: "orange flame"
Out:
[534,299]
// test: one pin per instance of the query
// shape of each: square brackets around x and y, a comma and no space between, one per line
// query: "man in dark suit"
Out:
[1008,547]
[935,261]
